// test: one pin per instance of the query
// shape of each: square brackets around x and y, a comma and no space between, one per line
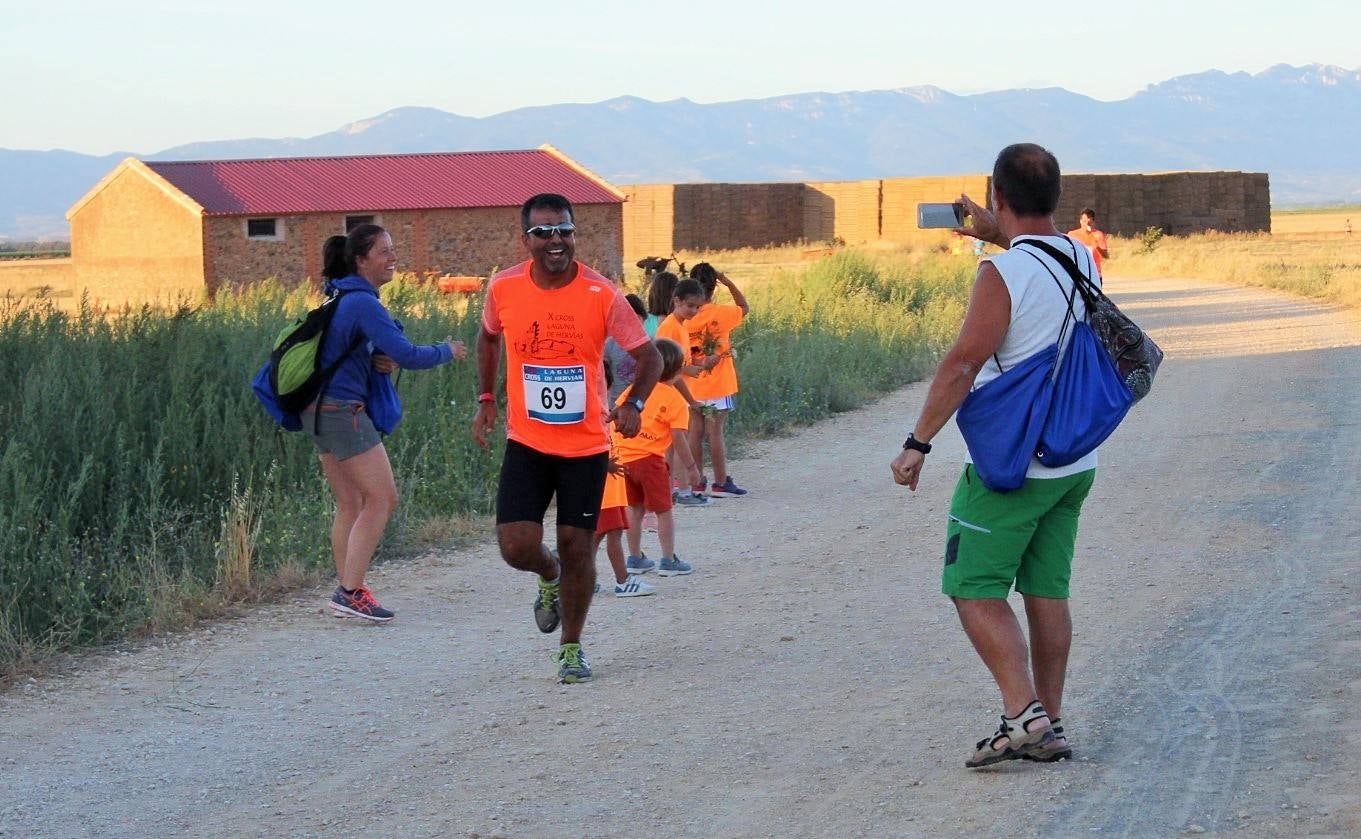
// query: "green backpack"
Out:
[295,372]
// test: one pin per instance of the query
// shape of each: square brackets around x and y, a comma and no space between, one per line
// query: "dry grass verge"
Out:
[1309,254]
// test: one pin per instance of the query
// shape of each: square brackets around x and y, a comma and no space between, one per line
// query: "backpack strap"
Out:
[335,365]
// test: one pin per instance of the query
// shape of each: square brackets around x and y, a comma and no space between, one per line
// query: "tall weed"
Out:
[141,481]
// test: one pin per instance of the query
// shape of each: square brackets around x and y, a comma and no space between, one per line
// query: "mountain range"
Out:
[1300,124]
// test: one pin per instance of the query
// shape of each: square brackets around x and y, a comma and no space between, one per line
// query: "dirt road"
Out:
[809,679]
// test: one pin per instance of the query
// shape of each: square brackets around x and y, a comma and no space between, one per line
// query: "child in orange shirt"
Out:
[715,382]
[646,474]
[686,301]
[611,523]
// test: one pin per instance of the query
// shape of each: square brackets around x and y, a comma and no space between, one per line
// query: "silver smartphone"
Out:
[948,216]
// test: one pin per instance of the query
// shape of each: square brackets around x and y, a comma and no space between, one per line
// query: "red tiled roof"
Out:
[379,182]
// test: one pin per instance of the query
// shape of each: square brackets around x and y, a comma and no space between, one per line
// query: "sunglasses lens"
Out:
[546,231]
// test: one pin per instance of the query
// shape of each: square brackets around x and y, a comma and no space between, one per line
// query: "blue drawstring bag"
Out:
[1001,421]
[1091,397]
[383,406]
[1090,400]
[264,391]
[1056,409]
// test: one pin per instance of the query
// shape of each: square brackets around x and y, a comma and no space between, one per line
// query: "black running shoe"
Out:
[359,604]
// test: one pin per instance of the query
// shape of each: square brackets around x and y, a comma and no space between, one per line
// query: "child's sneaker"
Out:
[699,488]
[633,587]
[359,603]
[639,564]
[727,489]
[691,500]
[673,566]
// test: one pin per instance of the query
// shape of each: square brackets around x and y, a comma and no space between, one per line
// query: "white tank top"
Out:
[1038,307]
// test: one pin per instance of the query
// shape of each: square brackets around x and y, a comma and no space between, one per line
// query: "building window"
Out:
[264,228]
[351,222]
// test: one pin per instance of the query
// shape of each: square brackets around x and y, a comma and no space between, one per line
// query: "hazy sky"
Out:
[143,75]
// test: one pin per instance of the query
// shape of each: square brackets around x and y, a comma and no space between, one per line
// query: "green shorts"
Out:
[1025,537]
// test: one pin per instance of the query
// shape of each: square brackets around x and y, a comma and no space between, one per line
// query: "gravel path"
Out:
[809,679]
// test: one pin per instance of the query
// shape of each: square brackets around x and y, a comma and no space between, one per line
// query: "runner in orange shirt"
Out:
[646,474]
[1094,239]
[711,329]
[552,315]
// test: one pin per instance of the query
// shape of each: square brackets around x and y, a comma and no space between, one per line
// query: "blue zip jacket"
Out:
[362,316]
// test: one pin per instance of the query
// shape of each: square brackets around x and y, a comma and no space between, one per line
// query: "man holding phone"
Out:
[1094,239]
[1023,539]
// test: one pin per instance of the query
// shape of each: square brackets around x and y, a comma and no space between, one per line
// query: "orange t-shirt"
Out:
[616,491]
[664,412]
[555,345]
[1095,239]
[710,328]
[672,329]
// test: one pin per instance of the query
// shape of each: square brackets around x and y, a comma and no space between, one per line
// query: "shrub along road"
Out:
[808,679]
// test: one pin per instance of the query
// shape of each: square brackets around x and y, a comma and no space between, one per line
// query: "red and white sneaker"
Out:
[359,603]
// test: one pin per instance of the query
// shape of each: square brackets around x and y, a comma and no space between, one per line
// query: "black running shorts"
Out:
[530,479]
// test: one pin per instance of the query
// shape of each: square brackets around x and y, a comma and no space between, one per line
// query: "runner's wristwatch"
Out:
[637,404]
[916,445]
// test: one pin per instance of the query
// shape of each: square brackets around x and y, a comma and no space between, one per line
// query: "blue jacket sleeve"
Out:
[379,327]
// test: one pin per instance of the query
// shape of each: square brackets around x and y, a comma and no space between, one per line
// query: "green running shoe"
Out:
[573,666]
[547,613]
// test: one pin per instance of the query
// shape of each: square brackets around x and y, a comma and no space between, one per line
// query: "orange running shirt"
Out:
[1095,239]
[555,345]
[664,412]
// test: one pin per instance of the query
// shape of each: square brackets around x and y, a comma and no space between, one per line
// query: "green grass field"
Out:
[142,486]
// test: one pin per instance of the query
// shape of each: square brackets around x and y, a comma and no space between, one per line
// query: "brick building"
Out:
[158,231]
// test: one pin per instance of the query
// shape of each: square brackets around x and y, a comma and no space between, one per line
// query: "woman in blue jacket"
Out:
[357,403]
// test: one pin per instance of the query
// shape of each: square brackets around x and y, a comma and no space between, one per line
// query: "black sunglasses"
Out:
[546,231]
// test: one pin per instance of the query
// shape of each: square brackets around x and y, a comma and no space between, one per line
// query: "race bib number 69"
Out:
[555,395]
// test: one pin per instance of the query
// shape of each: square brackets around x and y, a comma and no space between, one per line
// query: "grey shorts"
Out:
[345,429]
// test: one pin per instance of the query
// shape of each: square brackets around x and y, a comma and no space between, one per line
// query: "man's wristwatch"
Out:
[916,445]
[637,404]
[485,397]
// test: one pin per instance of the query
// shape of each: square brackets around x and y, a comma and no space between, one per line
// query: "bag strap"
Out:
[1090,291]
[1069,316]
[335,365]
